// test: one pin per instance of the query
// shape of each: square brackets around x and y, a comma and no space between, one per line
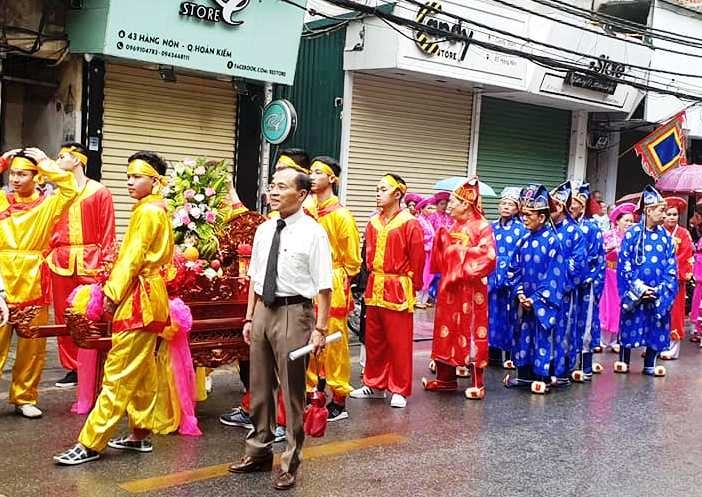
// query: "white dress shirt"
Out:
[304,260]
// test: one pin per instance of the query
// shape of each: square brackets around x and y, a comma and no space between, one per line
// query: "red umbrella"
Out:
[316,413]
[683,179]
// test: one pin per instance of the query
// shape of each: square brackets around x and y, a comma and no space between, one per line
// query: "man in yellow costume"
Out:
[345,244]
[135,294]
[26,219]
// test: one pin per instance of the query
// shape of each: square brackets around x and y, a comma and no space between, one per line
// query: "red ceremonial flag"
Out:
[664,148]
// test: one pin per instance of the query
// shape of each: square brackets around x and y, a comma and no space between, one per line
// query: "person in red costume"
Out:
[82,242]
[464,255]
[394,256]
[684,253]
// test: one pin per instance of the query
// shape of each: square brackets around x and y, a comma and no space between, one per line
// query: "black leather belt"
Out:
[295,299]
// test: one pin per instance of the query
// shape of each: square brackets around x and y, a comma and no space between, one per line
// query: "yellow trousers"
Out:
[130,385]
[29,361]
[336,362]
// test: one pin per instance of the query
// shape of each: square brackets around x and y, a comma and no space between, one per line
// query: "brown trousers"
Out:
[277,331]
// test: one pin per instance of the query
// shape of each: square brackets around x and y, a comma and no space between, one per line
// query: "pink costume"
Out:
[429,233]
[695,314]
[610,304]
[439,219]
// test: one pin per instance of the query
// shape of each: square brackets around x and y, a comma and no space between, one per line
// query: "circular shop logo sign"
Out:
[279,121]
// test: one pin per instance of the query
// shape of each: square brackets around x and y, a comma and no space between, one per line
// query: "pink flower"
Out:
[210,217]
[200,170]
[189,163]
[185,219]
[189,193]
[209,191]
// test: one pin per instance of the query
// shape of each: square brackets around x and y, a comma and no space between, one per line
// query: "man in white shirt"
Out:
[290,265]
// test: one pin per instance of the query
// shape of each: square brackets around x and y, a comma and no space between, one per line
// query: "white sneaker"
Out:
[367,393]
[398,401]
[28,411]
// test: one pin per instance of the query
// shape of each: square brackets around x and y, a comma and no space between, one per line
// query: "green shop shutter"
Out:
[317,94]
[521,143]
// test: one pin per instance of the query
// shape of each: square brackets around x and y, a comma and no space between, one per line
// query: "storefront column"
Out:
[265,152]
[346,133]
[577,160]
[475,134]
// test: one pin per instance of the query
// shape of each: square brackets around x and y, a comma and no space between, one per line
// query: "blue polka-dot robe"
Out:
[502,307]
[573,248]
[589,292]
[538,270]
[646,260]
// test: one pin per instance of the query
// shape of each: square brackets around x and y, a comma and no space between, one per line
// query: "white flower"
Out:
[196,180]
[192,226]
[195,212]
[210,273]
[189,163]
[176,222]
[179,168]
[199,197]
[166,192]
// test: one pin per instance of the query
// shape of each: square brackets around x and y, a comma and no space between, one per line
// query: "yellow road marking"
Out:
[219,470]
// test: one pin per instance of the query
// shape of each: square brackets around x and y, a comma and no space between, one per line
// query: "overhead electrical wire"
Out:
[551,62]
[583,28]
[555,47]
[621,23]
[611,19]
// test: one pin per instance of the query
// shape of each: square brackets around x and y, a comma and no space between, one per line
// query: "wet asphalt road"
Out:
[620,436]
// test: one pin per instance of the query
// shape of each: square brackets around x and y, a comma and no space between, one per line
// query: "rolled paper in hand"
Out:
[296,354]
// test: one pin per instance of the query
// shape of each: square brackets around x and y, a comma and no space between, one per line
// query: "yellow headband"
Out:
[82,158]
[143,168]
[324,168]
[396,185]
[23,164]
[288,162]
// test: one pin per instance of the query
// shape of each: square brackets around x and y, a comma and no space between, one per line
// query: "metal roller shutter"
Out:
[416,130]
[521,143]
[189,118]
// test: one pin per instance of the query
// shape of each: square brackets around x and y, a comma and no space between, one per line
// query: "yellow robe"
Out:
[25,230]
[135,284]
[345,244]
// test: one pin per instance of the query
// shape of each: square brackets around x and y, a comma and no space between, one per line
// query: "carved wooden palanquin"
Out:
[218,307]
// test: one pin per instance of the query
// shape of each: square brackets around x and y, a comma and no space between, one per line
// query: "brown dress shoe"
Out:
[284,481]
[250,465]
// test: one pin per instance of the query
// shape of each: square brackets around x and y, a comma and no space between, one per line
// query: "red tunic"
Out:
[84,237]
[685,255]
[464,255]
[395,261]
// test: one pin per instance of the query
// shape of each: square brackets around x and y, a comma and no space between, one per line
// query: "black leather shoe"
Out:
[284,481]
[250,465]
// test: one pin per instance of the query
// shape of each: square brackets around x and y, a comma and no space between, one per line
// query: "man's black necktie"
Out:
[269,283]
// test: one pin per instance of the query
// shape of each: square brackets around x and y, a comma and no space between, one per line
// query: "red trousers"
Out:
[389,350]
[677,314]
[280,418]
[62,286]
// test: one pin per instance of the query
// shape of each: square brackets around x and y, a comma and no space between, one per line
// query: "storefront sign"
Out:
[279,121]
[254,40]
[604,66]
[224,13]
[431,44]
[590,82]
